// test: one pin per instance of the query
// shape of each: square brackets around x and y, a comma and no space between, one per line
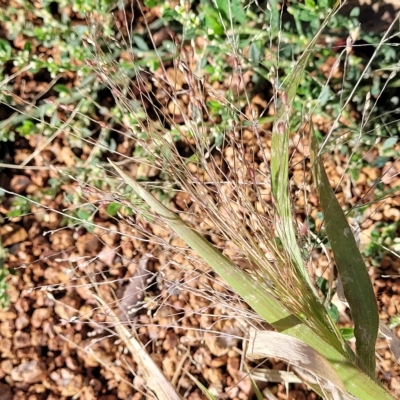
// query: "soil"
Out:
[55,342]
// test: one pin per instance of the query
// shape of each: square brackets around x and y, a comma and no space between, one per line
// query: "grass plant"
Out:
[187,104]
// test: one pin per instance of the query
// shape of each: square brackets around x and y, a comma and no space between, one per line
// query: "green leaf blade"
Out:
[280,155]
[357,285]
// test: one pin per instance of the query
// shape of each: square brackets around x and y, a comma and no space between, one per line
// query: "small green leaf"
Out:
[140,43]
[347,333]
[14,213]
[60,88]
[333,312]
[27,128]
[153,65]
[28,46]
[389,143]
[212,23]
[5,50]
[169,45]
[231,10]
[323,284]
[83,214]
[310,4]
[170,15]
[355,12]
[255,52]
[152,3]
[113,208]
[380,162]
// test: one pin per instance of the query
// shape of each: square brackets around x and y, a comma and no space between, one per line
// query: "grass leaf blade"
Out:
[353,273]
[280,155]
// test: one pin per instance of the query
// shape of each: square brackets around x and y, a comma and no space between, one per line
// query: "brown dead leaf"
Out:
[148,170]
[176,78]
[5,348]
[160,36]
[202,357]
[72,364]
[233,367]
[264,344]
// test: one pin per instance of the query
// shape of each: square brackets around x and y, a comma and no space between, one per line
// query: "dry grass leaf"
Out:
[274,344]
[274,375]
[152,375]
